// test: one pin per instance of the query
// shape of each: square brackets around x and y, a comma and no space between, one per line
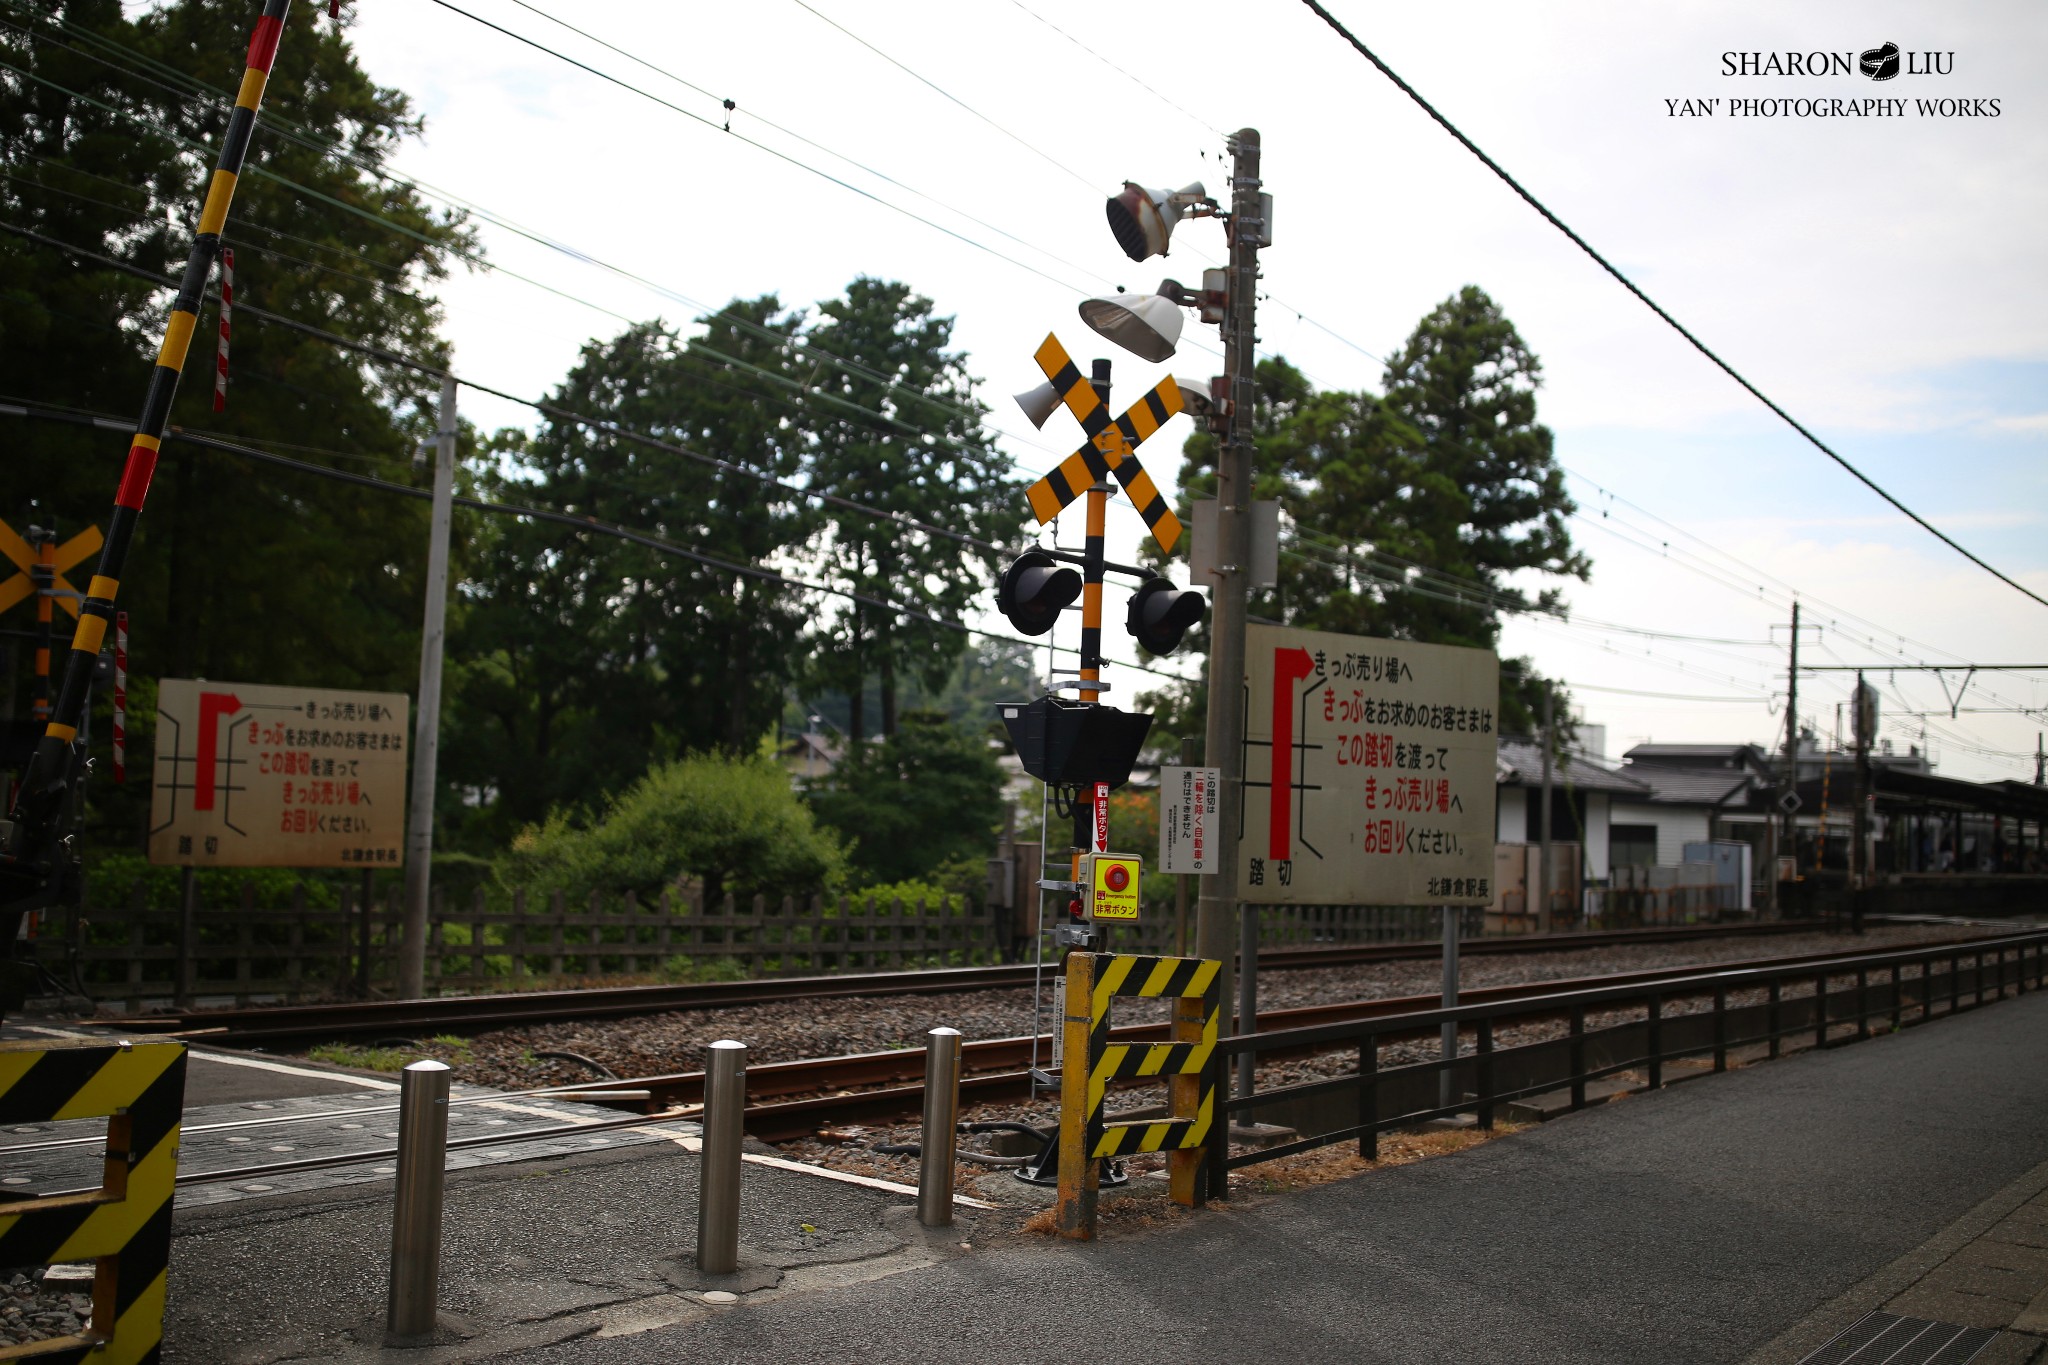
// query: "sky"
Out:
[1880,277]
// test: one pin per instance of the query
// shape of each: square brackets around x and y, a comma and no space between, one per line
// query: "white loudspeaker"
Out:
[1039,403]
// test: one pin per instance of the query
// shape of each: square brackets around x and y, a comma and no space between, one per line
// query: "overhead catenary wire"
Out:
[577,521]
[1658,309]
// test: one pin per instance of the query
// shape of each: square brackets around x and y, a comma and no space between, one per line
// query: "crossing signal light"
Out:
[1034,590]
[1162,613]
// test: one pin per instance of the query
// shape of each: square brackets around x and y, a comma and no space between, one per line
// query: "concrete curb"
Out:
[1806,1336]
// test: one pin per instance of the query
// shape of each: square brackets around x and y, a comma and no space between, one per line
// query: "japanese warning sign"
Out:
[1369,771]
[254,776]
[1187,819]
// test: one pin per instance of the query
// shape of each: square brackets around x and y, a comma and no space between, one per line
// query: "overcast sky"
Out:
[1882,278]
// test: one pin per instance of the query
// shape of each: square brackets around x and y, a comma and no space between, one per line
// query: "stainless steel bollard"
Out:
[718,1181]
[416,1210]
[941,1119]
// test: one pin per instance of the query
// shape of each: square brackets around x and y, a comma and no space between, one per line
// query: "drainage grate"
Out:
[1887,1339]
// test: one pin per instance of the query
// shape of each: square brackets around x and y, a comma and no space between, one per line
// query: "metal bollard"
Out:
[416,1209]
[718,1181]
[941,1119]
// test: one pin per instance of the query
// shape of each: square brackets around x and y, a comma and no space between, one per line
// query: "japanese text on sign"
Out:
[1187,819]
[249,775]
[1369,771]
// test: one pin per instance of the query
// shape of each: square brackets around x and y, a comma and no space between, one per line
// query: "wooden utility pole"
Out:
[1790,783]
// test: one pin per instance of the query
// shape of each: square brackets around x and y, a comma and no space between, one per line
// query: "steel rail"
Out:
[290,1024]
[1305,1029]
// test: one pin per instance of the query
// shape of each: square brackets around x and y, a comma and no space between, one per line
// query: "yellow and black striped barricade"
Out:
[1091,1064]
[125,1225]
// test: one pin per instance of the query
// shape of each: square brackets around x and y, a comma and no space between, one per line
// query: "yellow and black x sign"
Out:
[1111,449]
[70,554]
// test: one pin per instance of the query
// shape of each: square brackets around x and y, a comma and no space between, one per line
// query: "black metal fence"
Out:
[1641,1031]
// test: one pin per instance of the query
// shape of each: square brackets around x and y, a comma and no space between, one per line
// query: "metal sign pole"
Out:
[1447,1088]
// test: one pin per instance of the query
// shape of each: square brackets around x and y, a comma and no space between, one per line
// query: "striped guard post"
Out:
[1193,1054]
[125,1225]
[227,308]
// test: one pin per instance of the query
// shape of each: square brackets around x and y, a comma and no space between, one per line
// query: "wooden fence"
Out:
[130,955]
[251,952]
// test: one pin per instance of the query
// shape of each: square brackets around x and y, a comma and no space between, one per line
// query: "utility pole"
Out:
[1789,782]
[1543,816]
[426,744]
[1859,856]
[1225,738]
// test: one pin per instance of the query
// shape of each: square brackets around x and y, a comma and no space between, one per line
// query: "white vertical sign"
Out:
[1102,817]
[1187,819]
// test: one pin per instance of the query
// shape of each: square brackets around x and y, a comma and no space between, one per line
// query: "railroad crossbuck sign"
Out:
[70,555]
[1093,980]
[125,1225]
[1111,449]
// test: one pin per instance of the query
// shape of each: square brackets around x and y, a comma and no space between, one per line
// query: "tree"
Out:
[107,137]
[588,655]
[897,427]
[1407,513]
[733,824]
[926,796]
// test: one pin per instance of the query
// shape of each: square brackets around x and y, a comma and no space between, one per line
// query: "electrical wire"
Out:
[1658,309]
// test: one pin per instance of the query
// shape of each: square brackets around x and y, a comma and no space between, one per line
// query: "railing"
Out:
[135,955]
[1810,1004]
[1303,926]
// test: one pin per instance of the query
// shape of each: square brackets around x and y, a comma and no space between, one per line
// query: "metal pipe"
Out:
[718,1181]
[941,1123]
[1447,1089]
[416,1209]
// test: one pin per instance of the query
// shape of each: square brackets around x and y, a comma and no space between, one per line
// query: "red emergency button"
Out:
[1118,877]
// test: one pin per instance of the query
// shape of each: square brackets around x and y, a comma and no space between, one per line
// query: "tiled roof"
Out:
[1521,765]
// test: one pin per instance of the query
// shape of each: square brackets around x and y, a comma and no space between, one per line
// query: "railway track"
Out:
[788,1100]
[298,1025]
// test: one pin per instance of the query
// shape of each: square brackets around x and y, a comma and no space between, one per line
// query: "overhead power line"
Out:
[1658,309]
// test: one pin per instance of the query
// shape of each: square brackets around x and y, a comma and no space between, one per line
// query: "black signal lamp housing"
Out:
[1034,590]
[1161,613]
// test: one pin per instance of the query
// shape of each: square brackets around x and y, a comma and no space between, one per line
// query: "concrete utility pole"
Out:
[1543,816]
[1859,845]
[1225,738]
[426,744]
[1790,837]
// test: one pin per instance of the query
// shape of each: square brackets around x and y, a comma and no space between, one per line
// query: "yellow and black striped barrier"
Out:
[1188,1063]
[125,1225]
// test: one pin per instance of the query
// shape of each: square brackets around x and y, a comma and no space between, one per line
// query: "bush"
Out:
[733,824]
[110,876]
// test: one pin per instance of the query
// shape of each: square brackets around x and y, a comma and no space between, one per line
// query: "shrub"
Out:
[734,824]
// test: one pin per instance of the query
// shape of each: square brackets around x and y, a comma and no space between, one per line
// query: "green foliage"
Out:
[928,795]
[238,571]
[110,878]
[1408,514]
[920,459]
[733,824]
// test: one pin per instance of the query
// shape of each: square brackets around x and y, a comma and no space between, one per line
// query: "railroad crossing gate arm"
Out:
[125,1225]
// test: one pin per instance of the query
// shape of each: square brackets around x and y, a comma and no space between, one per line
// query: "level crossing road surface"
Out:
[1695,1224]
[243,1111]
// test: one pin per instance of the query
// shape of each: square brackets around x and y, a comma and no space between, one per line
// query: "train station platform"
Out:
[1751,1216]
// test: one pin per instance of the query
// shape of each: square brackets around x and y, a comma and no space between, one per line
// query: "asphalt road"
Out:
[1690,1225]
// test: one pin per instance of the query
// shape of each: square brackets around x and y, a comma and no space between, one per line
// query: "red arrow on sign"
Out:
[212,706]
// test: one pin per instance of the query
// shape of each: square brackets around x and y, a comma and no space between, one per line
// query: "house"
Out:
[1584,793]
[1694,793]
